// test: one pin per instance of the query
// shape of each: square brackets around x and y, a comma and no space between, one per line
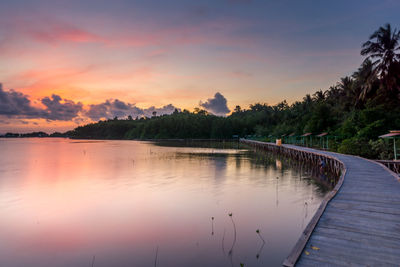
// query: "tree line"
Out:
[356,110]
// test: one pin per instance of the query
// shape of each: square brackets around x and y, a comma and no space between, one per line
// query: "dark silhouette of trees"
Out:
[237,109]
[383,49]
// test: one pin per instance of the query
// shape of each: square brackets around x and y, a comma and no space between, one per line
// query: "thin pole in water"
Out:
[155,261]
[394,147]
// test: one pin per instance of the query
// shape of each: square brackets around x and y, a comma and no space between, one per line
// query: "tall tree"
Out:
[383,49]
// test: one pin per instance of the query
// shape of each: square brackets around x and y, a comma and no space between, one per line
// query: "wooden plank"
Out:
[353,251]
[329,262]
[360,237]
[369,198]
[354,246]
[339,259]
[369,215]
[366,232]
[374,207]
[369,186]
[354,223]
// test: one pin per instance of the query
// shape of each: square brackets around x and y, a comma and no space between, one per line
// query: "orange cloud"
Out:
[83,83]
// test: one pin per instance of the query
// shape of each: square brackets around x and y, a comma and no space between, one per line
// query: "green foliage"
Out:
[376,149]
[321,118]
[359,128]
[382,149]
[349,126]
[355,146]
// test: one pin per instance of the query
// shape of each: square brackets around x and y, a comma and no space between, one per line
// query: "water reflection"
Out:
[124,203]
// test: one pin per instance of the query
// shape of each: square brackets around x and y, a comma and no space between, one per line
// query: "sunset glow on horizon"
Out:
[68,63]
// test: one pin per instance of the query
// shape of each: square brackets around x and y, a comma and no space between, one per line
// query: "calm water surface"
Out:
[126,203]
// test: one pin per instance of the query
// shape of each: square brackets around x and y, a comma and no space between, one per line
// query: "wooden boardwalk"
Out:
[360,225]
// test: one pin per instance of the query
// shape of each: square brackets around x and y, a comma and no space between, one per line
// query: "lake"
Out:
[128,203]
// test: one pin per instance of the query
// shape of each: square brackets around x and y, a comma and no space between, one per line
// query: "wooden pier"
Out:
[358,222]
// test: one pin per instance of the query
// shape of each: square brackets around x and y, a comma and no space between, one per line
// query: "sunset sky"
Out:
[65,63]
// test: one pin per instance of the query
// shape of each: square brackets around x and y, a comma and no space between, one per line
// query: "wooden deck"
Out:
[360,225]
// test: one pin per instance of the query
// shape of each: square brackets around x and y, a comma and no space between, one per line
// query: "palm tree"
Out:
[347,89]
[319,96]
[383,49]
[335,92]
[365,81]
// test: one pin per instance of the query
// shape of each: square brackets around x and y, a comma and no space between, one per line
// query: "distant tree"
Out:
[130,117]
[318,96]
[282,105]
[307,99]
[154,113]
[237,109]
[365,81]
[334,93]
[258,107]
[200,111]
[346,84]
[347,92]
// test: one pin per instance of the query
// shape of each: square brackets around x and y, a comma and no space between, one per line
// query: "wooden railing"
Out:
[393,165]
[332,164]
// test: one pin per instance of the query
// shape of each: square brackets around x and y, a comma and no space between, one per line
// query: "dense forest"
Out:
[355,111]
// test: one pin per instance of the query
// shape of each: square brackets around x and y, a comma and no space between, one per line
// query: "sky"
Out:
[68,63]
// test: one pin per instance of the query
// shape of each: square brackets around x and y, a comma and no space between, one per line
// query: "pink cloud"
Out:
[53,31]
[65,33]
